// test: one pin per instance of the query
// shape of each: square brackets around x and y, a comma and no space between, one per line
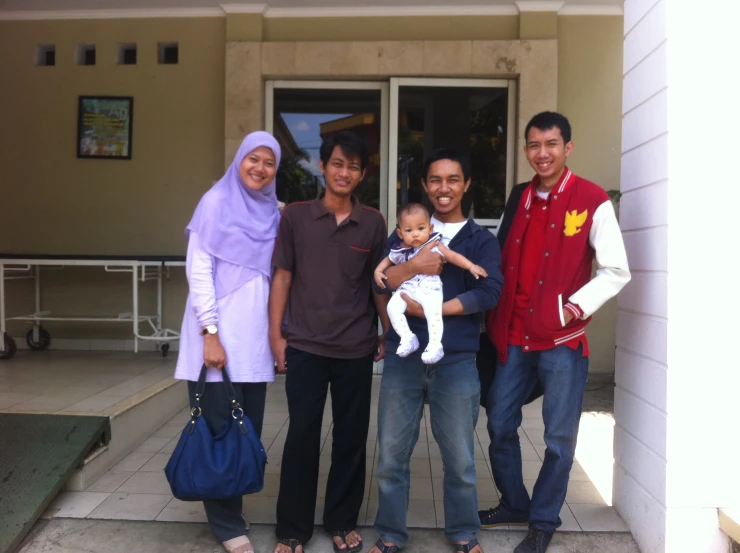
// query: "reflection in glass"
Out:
[303,118]
[472,121]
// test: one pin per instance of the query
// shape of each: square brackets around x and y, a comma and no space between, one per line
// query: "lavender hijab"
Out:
[238,225]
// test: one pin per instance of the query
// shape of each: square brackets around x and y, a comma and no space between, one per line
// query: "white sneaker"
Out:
[433,354]
[407,347]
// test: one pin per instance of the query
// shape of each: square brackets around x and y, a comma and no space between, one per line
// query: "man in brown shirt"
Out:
[325,255]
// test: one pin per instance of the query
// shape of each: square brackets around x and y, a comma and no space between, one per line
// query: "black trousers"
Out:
[307,380]
[225,515]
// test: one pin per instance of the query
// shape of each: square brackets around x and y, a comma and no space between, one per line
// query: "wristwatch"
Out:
[209,329]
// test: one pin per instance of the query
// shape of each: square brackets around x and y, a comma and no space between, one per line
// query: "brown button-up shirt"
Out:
[330,308]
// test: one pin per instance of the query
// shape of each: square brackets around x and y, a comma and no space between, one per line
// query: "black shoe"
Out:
[536,541]
[498,516]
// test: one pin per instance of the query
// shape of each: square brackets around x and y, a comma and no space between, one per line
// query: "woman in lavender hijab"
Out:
[230,241]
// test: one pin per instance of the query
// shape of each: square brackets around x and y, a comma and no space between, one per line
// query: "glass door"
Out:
[474,117]
[300,114]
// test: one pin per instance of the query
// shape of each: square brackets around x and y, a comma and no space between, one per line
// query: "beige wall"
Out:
[590,95]
[538,25]
[392,28]
[55,203]
[62,204]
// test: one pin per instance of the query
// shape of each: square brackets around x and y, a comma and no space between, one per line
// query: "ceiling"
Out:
[276,8]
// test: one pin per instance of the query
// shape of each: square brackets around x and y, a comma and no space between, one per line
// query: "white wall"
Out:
[676,424]
[640,400]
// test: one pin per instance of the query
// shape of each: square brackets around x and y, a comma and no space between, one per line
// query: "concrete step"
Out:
[133,423]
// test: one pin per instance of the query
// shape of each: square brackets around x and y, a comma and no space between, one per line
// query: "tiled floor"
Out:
[86,383]
[136,488]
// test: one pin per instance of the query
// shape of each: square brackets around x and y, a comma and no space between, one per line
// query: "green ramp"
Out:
[37,455]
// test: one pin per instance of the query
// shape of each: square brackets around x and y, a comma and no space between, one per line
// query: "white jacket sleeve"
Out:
[611,260]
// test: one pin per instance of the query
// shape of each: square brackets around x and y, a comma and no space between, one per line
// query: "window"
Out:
[45,55]
[168,53]
[126,54]
[402,122]
[471,120]
[85,54]
[303,117]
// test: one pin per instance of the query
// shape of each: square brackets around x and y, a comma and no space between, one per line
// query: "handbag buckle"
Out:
[194,410]
[240,410]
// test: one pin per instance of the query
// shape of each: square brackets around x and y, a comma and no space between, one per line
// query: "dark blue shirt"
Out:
[461,332]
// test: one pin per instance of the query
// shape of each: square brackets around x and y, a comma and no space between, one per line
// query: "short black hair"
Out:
[349,143]
[452,155]
[548,120]
[411,208]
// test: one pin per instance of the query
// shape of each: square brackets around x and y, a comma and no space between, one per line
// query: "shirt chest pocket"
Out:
[354,260]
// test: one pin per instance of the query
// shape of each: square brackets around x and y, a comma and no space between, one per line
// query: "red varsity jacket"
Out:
[581,226]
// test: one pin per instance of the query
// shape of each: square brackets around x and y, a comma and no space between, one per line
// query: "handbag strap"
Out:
[236,410]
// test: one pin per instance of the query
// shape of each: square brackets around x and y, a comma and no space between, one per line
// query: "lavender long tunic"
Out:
[241,316]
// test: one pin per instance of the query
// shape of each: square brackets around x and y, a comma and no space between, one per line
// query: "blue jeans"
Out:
[563,373]
[454,391]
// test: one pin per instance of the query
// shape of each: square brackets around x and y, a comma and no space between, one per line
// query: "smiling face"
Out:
[258,168]
[445,186]
[342,173]
[414,228]
[546,152]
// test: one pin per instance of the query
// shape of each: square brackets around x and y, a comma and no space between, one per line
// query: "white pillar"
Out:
[678,327]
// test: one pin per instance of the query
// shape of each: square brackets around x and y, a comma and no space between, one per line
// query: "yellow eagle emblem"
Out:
[574,221]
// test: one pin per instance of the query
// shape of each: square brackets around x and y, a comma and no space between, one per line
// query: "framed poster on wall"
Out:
[104,127]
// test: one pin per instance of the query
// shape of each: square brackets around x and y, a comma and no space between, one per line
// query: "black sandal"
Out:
[343,534]
[466,547]
[293,544]
[386,548]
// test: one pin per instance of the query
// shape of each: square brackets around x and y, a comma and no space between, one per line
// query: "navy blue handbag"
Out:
[204,466]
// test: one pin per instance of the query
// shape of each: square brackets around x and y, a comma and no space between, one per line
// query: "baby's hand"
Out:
[478,271]
[380,278]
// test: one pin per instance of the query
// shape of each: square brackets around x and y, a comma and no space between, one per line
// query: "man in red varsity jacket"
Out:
[562,223]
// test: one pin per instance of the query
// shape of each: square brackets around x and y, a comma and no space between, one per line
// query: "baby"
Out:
[415,231]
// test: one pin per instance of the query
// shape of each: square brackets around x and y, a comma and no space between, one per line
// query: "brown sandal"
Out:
[342,534]
[293,544]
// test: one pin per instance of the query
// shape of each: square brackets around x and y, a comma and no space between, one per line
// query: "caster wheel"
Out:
[43,342]
[165,349]
[10,348]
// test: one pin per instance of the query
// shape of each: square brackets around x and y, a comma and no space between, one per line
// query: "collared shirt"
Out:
[401,254]
[533,247]
[330,309]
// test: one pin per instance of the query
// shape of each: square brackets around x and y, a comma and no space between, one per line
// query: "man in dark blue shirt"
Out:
[451,385]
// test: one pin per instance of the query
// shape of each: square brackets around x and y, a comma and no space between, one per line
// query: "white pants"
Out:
[431,300]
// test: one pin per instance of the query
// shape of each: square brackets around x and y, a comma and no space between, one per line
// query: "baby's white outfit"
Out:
[426,290]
